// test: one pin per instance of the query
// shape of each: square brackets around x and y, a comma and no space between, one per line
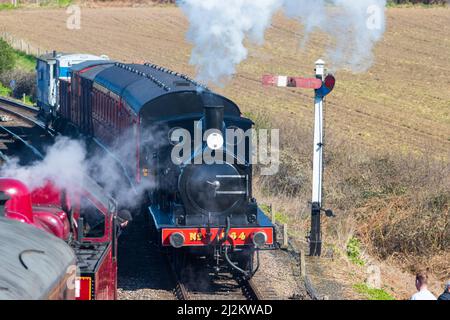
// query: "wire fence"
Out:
[22,45]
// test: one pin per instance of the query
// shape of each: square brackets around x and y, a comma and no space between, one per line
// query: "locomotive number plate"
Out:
[200,236]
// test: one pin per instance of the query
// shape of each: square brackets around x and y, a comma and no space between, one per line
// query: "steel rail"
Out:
[250,290]
[26,118]
[19,104]
[17,137]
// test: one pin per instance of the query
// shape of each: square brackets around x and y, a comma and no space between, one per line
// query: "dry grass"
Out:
[397,204]
[388,130]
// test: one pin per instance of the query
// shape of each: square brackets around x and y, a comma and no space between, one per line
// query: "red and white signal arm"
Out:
[322,88]
[295,82]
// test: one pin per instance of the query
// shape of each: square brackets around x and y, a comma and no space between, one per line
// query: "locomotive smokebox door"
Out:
[212,192]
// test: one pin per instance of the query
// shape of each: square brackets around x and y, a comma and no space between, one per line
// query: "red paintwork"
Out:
[105,289]
[330,81]
[54,219]
[20,207]
[47,195]
[198,236]
[84,292]
[305,83]
[111,116]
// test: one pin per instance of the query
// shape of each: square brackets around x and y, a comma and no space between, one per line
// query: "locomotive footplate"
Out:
[197,236]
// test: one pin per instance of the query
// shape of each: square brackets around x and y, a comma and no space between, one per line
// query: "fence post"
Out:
[272,214]
[285,237]
[302,264]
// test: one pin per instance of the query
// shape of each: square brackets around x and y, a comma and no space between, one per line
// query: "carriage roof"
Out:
[142,85]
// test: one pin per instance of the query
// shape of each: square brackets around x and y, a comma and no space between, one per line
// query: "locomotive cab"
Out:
[96,244]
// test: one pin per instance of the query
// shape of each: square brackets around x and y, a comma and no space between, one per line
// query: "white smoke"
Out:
[353,26]
[218,30]
[64,165]
[68,162]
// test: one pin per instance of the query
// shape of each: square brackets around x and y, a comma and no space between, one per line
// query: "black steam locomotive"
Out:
[199,177]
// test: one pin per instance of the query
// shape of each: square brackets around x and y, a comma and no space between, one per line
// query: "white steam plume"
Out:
[218,30]
[67,163]
[64,165]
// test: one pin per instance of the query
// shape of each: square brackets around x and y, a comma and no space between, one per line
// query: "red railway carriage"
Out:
[85,221]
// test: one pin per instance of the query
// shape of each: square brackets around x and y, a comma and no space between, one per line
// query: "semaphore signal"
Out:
[323,84]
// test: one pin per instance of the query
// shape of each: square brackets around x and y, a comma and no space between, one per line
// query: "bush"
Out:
[371,293]
[7,59]
[354,251]
[25,82]
[397,205]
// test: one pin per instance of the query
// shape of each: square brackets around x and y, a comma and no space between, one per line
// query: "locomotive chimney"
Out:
[213,117]
[213,112]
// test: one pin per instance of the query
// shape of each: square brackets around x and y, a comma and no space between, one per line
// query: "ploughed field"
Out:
[401,103]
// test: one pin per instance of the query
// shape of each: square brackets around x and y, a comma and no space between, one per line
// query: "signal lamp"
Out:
[330,81]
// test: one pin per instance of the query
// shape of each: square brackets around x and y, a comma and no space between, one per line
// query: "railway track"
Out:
[224,287]
[146,272]
[197,282]
[143,273]
[22,134]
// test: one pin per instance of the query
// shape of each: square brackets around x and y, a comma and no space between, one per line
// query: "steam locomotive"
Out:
[197,208]
[57,247]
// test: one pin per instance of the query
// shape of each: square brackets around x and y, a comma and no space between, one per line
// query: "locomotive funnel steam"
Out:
[220,31]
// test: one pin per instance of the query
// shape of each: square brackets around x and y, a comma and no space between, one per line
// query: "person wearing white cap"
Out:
[446,294]
[422,288]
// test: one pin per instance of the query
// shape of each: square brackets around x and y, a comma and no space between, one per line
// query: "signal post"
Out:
[323,84]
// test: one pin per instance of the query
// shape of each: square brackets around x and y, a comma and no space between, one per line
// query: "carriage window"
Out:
[94,219]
